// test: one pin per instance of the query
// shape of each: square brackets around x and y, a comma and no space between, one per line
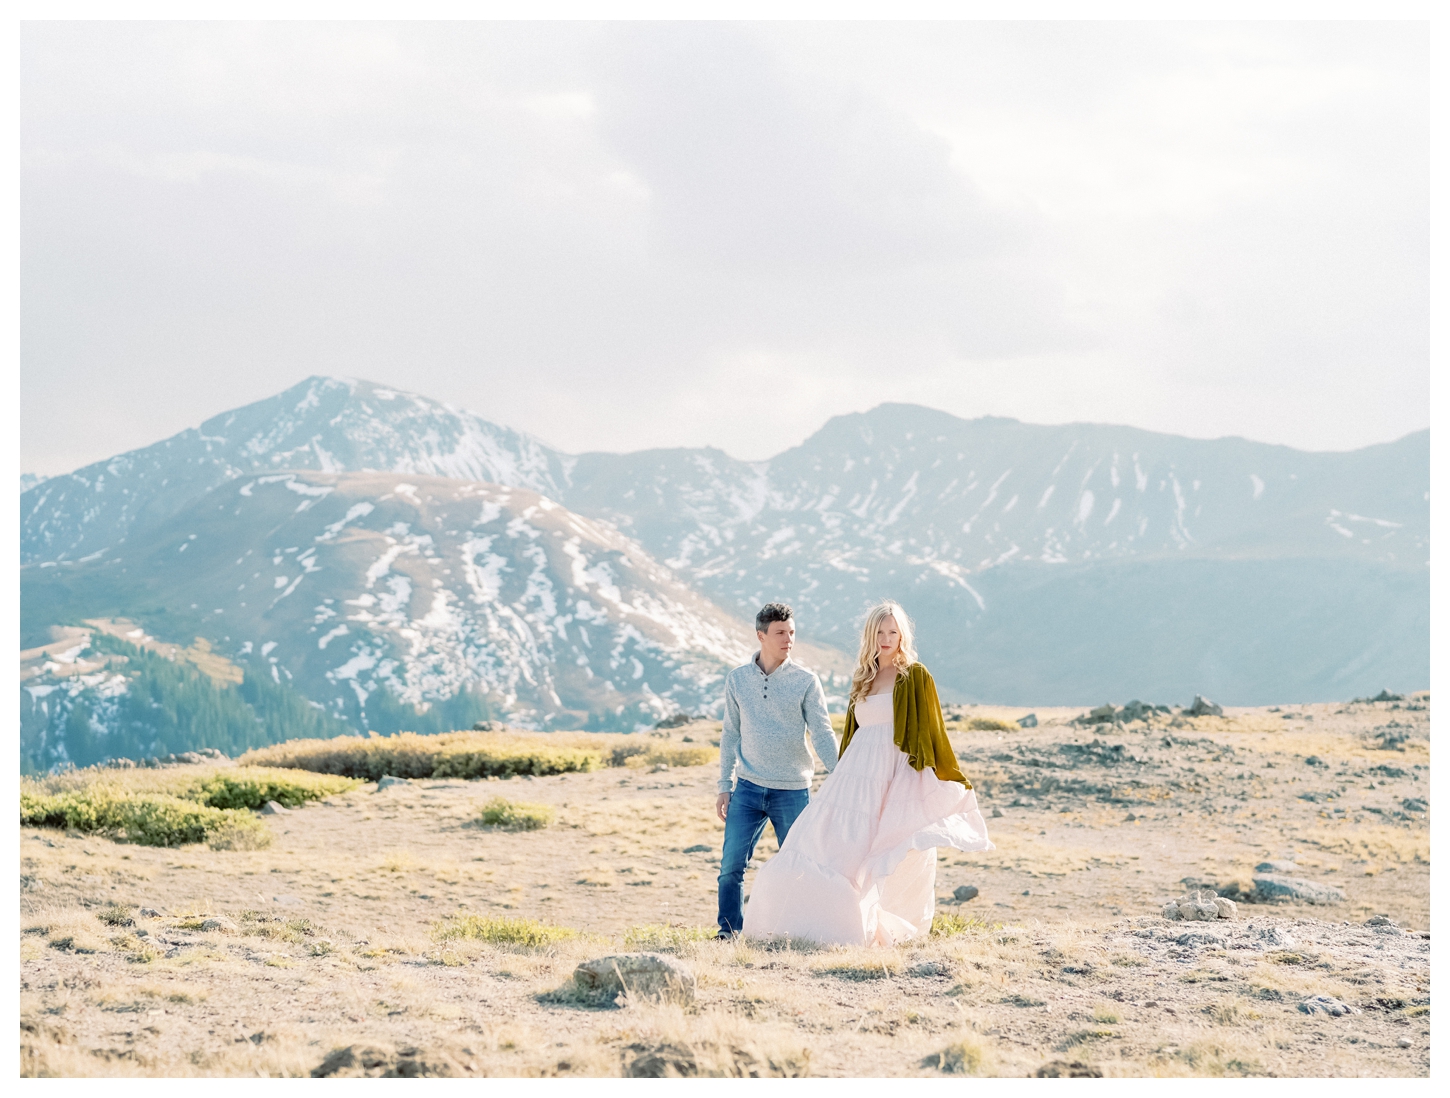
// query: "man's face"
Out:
[777,641]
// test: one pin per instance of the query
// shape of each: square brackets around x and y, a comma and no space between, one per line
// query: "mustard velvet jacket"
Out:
[920,731]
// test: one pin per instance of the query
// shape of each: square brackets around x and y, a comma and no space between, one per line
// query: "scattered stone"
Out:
[387,781]
[371,1062]
[1276,867]
[1200,905]
[642,975]
[1274,889]
[1202,707]
[272,808]
[663,1061]
[218,923]
[1029,721]
[1065,1069]
[1276,937]
[1326,1004]
[963,893]
[930,969]
[699,848]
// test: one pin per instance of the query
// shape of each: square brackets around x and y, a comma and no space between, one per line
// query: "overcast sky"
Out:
[636,235]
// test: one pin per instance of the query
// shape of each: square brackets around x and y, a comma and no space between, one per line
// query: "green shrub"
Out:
[672,755]
[254,786]
[949,925]
[515,932]
[992,724]
[447,755]
[148,819]
[657,937]
[516,815]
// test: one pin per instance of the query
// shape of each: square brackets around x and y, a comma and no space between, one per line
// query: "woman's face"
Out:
[888,639]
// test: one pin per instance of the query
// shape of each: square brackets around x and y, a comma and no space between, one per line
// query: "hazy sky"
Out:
[618,236]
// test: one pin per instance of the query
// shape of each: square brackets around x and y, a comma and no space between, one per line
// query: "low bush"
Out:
[672,755]
[148,819]
[949,924]
[992,724]
[254,786]
[446,755]
[529,933]
[659,938]
[516,815]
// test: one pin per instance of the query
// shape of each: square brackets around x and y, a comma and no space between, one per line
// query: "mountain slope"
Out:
[385,598]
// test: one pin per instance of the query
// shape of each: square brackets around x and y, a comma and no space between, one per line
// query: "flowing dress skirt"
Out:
[858,866]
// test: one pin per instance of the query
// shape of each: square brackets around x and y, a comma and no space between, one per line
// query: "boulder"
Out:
[963,893]
[638,975]
[272,808]
[996,812]
[1326,1004]
[1227,909]
[1029,721]
[387,781]
[1101,714]
[1202,707]
[1274,889]
[489,726]
[1135,710]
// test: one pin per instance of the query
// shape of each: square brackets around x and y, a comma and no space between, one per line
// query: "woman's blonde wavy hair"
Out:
[867,660]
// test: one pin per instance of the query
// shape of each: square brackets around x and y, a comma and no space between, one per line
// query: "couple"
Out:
[857,865]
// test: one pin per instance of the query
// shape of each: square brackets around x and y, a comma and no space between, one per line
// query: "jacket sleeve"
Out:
[818,721]
[729,739]
[925,739]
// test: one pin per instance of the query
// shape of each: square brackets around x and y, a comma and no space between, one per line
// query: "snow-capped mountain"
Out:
[1043,563]
[426,588]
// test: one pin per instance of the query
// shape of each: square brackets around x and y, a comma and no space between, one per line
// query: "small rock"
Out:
[1326,1004]
[1276,867]
[1276,889]
[387,781]
[1276,937]
[996,813]
[218,923]
[929,969]
[699,848]
[1029,721]
[1202,707]
[1064,1069]
[643,975]
[1405,1042]
[1101,714]
[272,808]
[963,893]
[150,913]
[1227,909]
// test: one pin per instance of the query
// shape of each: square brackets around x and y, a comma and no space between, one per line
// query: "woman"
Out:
[859,865]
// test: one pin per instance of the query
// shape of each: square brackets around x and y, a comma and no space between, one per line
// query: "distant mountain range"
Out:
[1044,564]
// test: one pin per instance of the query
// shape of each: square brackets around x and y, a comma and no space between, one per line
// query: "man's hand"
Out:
[722,805]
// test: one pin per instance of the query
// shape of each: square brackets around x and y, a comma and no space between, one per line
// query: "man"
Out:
[770,706]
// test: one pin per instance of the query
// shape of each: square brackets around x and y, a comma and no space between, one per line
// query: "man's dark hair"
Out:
[772,611]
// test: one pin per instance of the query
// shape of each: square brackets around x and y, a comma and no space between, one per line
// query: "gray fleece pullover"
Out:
[767,718]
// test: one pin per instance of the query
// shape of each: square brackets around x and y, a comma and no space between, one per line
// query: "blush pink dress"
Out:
[858,866]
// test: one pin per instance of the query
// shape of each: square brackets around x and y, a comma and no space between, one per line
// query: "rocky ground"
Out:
[1064,962]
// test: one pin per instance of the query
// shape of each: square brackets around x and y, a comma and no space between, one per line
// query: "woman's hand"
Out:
[722,805]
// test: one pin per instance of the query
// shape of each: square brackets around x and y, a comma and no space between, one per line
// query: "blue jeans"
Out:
[750,806]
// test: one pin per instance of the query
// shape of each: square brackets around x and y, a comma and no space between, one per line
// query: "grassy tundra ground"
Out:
[338,933]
